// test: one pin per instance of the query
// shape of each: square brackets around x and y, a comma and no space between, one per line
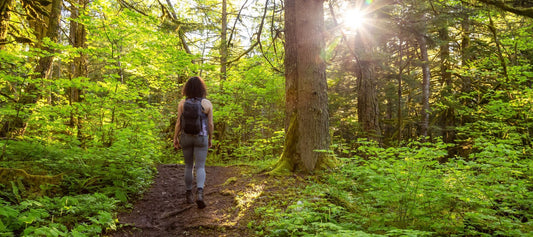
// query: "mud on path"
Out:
[162,211]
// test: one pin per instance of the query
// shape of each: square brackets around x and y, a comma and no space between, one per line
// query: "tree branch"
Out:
[174,18]
[235,23]
[259,39]
[8,97]
[511,6]
[129,6]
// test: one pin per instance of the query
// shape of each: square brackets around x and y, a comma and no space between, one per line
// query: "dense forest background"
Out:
[430,111]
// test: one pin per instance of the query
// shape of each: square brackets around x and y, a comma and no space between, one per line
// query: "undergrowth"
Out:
[94,183]
[405,191]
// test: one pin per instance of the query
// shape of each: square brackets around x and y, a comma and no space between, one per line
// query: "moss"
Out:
[282,167]
[286,163]
[328,162]
[290,159]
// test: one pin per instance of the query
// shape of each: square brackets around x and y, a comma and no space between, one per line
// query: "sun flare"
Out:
[354,19]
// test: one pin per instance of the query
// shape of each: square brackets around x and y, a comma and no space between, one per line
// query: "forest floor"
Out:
[231,193]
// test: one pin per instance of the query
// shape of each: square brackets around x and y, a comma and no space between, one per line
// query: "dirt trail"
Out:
[163,211]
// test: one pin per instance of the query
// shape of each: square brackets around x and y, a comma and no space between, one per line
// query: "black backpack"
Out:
[191,117]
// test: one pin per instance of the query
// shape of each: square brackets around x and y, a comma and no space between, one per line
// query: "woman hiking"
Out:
[193,134]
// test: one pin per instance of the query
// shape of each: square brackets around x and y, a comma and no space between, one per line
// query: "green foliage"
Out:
[95,181]
[249,112]
[80,215]
[406,191]
[119,171]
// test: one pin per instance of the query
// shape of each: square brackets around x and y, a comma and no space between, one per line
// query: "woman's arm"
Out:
[177,129]
[210,124]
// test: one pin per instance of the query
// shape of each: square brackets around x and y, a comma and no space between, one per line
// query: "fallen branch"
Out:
[173,213]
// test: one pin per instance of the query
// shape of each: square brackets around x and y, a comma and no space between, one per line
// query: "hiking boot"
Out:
[188,196]
[200,198]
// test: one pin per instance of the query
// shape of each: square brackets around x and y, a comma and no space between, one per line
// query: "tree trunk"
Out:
[448,116]
[5,13]
[78,67]
[367,102]
[291,72]
[223,42]
[400,72]
[426,77]
[466,58]
[52,32]
[306,88]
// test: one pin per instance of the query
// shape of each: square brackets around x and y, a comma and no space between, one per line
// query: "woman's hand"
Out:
[177,145]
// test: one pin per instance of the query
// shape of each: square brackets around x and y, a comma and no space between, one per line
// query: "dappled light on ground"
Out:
[245,199]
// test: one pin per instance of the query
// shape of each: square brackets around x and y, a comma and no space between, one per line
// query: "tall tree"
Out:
[45,24]
[223,42]
[51,30]
[367,102]
[426,78]
[78,67]
[447,121]
[399,78]
[447,116]
[366,46]
[307,115]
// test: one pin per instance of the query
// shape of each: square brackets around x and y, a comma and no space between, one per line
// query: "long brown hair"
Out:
[194,88]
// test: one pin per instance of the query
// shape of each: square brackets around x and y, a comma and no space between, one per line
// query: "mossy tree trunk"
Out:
[307,124]
[5,13]
[51,30]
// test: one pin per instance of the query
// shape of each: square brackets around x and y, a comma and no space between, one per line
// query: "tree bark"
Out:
[307,123]
[367,102]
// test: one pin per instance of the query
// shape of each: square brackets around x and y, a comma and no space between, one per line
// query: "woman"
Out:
[195,145]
